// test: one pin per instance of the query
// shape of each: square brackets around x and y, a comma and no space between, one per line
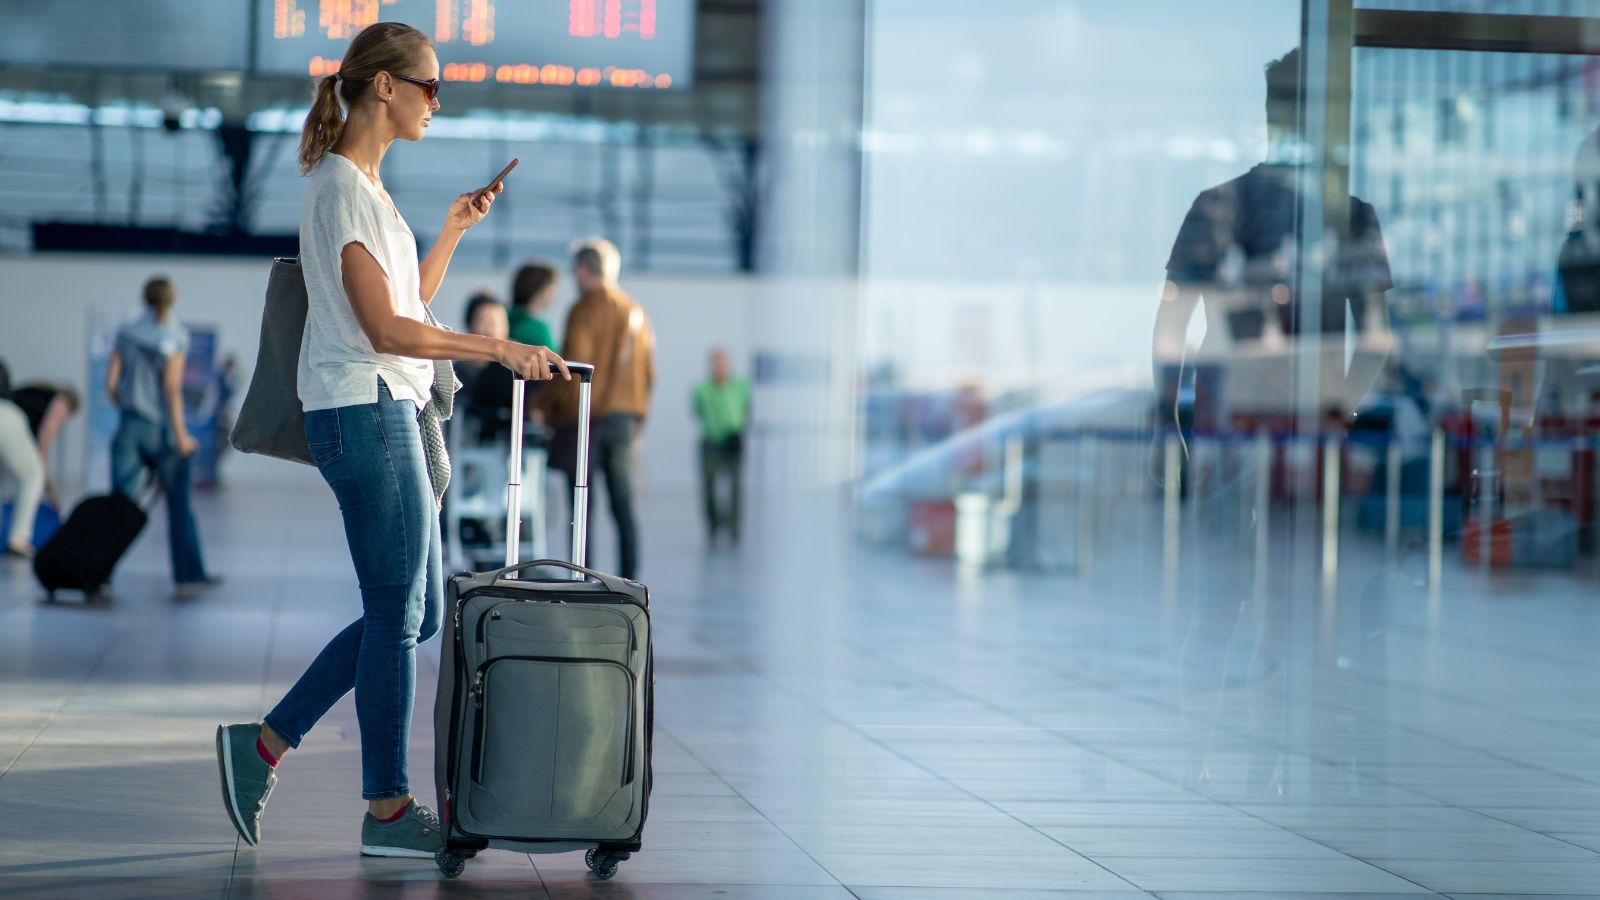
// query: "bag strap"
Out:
[445,383]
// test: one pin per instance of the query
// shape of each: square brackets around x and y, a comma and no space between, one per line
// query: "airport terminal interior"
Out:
[1091,450]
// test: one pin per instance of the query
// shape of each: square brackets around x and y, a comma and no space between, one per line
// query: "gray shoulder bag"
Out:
[271,421]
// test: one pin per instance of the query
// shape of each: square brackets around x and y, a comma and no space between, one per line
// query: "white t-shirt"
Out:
[338,365]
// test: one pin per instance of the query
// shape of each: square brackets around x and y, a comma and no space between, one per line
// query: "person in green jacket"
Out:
[722,406]
[532,291]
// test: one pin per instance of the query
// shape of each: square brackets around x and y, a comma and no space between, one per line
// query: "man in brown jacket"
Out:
[607,328]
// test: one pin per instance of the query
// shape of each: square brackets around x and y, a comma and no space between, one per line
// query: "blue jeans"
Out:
[372,457]
[141,444]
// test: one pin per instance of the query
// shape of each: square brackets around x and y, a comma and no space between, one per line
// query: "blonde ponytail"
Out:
[323,125]
[381,47]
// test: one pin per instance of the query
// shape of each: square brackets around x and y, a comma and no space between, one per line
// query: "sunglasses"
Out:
[429,87]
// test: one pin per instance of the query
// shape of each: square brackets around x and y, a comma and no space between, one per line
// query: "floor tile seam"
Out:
[275,617]
[1469,644]
[1328,761]
[1158,777]
[112,642]
[845,723]
[1368,863]
[233,870]
[1166,706]
[759,811]
[1230,857]
[1480,811]
[543,887]
[1570,662]
[1422,692]
[1438,693]
[1487,859]
[1442,803]
[1116,687]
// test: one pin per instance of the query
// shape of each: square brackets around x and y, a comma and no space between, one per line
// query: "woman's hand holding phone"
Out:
[470,208]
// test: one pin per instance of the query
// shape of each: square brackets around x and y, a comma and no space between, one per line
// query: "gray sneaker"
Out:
[415,835]
[247,780]
[188,590]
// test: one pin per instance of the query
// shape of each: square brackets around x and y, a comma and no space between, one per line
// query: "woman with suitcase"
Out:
[366,381]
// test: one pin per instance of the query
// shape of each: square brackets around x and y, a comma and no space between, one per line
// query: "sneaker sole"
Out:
[225,766]
[396,852]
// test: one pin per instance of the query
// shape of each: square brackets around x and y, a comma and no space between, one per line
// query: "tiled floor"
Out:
[853,723]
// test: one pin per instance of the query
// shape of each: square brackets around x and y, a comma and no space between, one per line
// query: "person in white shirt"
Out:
[365,381]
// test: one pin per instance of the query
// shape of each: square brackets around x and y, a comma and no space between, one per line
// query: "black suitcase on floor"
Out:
[544,712]
[81,555]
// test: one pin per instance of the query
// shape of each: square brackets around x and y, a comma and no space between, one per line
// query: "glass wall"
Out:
[1252,253]
[1224,373]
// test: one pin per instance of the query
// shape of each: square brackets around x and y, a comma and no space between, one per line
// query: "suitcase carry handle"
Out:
[610,581]
[580,493]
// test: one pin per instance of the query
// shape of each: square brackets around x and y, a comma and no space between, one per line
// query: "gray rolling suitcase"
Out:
[543,719]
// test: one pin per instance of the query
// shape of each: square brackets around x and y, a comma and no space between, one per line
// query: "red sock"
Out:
[396,816]
[266,754]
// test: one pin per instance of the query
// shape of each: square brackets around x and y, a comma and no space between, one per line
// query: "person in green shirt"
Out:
[722,406]
[532,291]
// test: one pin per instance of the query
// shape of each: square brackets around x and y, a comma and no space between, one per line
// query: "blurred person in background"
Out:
[486,316]
[145,382]
[721,404]
[23,467]
[227,389]
[48,407]
[486,388]
[373,400]
[16,468]
[607,328]
[533,289]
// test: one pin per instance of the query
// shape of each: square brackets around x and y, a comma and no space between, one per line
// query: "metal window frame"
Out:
[1477,32]
[1331,30]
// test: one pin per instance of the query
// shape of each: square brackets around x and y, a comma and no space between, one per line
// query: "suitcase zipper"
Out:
[494,613]
[477,726]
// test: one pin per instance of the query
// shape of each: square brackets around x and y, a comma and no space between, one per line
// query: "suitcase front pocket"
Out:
[509,638]
[524,629]
[553,737]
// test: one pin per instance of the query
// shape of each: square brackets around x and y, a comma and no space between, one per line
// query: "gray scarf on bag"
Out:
[441,405]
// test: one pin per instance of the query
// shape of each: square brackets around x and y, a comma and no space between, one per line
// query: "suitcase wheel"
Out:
[452,862]
[603,863]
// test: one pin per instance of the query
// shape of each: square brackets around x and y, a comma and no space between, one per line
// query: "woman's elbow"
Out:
[382,340]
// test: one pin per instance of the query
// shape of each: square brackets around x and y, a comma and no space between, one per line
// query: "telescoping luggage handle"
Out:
[584,372]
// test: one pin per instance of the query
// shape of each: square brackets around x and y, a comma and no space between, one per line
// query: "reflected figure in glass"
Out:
[1238,404]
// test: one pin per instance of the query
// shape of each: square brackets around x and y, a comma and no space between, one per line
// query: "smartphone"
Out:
[499,178]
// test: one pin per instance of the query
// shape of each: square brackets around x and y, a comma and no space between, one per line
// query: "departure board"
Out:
[169,35]
[640,44]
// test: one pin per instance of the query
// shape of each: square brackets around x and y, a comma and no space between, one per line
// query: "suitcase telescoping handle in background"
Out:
[1486,491]
[584,372]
